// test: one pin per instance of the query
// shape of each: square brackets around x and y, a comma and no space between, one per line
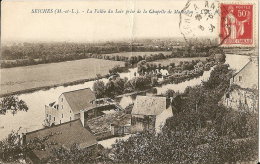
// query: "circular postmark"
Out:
[198,22]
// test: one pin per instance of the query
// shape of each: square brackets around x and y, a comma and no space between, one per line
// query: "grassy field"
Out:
[38,76]
[178,60]
[28,77]
[127,54]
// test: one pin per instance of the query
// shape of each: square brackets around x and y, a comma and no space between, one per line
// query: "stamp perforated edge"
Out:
[255,22]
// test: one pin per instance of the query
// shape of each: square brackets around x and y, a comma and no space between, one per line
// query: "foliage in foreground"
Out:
[201,131]
[184,147]
[11,150]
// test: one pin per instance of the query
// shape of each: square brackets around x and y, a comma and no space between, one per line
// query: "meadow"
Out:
[36,76]
[20,79]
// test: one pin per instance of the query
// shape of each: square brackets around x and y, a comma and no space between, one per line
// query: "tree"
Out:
[10,149]
[6,54]
[186,121]
[236,124]
[219,77]
[141,67]
[99,89]
[115,69]
[172,64]
[169,93]
[119,85]
[154,81]
[12,103]
[74,155]
[110,88]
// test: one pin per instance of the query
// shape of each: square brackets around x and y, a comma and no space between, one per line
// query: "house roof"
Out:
[249,62]
[149,105]
[102,123]
[122,121]
[65,135]
[80,99]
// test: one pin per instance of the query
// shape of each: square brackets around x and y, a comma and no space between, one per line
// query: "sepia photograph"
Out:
[129,81]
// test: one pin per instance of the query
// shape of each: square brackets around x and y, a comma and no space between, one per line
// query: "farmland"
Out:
[28,77]
[165,62]
[42,75]
[129,54]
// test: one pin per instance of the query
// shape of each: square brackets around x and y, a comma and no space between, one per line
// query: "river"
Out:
[33,118]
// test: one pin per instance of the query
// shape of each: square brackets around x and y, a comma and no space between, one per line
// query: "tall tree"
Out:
[99,89]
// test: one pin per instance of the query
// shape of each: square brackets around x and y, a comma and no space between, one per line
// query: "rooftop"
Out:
[65,135]
[251,64]
[149,105]
[80,99]
[102,124]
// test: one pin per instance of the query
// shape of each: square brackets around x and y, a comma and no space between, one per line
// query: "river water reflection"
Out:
[33,118]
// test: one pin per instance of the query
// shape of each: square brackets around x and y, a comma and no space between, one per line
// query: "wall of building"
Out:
[103,135]
[62,114]
[241,99]
[247,77]
[66,114]
[137,123]
[51,115]
[141,123]
[161,119]
[117,130]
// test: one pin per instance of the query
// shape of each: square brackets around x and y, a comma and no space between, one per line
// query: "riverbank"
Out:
[36,101]
[53,86]
[123,69]
[132,93]
[29,79]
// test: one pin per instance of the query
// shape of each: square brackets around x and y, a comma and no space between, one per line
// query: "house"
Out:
[149,113]
[121,126]
[219,57]
[242,94]
[247,77]
[69,105]
[63,135]
[108,125]
[241,99]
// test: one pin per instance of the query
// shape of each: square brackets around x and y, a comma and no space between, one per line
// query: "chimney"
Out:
[254,59]
[82,118]
[112,128]
[23,139]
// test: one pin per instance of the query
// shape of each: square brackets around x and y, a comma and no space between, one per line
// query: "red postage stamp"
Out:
[236,24]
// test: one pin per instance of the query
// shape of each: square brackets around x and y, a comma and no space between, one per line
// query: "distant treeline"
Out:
[176,53]
[33,53]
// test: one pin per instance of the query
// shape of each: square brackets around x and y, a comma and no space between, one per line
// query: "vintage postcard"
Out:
[127,81]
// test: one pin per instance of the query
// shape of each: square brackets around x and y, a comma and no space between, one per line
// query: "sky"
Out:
[19,24]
